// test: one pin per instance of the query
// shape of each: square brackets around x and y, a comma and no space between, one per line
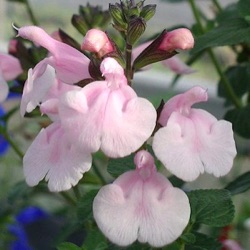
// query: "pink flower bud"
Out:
[12,48]
[97,41]
[177,39]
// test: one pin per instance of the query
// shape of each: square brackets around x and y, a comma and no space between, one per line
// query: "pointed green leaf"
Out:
[239,79]
[240,184]
[119,166]
[95,240]
[212,207]
[227,33]
[240,120]
[204,242]
[84,206]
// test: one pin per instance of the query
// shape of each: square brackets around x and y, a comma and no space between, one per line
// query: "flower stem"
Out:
[99,174]
[128,70]
[13,145]
[68,198]
[30,12]
[224,79]
[217,4]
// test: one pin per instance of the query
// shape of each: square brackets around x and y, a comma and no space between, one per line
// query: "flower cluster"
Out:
[93,107]
[108,115]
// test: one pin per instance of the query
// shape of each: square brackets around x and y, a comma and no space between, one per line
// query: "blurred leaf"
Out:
[204,242]
[176,182]
[212,207]
[244,7]
[239,79]
[228,13]
[188,238]
[84,206]
[227,33]
[19,191]
[240,120]
[240,184]
[119,166]
[95,241]
[68,246]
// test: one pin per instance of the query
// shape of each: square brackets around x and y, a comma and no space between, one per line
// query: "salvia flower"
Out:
[192,141]
[141,205]
[108,115]
[10,68]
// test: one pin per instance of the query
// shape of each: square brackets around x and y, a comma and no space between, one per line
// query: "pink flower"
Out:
[97,41]
[141,205]
[71,65]
[10,68]
[55,157]
[108,115]
[192,141]
[177,39]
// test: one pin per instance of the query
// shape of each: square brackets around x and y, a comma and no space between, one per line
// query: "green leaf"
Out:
[240,184]
[204,242]
[239,79]
[84,206]
[240,120]
[68,246]
[244,7]
[188,238]
[212,207]
[227,33]
[119,166]
[95,241]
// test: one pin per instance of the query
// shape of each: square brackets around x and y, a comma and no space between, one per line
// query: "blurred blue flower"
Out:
[4,145]
[26,216]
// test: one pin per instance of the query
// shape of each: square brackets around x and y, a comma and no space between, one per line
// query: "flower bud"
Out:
[136,28]
[177,39]
[80,24]
[117,16]
[96,41]
[148,11]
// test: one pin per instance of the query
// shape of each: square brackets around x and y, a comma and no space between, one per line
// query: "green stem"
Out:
[99,174]
[217,4]
[224,79]
[77,192]
[128,70]
[30,12]
[13,145]
[68,198]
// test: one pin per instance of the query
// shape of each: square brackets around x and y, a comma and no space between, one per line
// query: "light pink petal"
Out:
[37,86]
[182,103]
[10,66]
[128,123]
[188,146]
[177,65]
[4,89]
[143,205]
[70,64]
[53,157]
[117,121]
